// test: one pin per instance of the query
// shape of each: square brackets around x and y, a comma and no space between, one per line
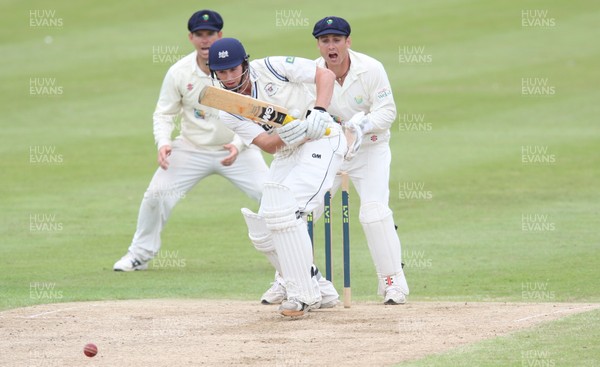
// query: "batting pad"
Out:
[292,243]
[261,236]
[383,242]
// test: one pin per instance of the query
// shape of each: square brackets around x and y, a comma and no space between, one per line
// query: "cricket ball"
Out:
[90,350]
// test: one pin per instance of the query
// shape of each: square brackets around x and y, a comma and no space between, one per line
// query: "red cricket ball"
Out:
[90,350]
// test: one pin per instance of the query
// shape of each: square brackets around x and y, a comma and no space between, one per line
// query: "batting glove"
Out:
[317,122]
[292,133]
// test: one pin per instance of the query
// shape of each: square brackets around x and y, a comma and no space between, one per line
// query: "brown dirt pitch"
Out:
[238,333]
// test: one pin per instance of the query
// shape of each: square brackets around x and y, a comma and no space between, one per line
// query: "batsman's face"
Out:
[333,48]
[203,39]
[230,78]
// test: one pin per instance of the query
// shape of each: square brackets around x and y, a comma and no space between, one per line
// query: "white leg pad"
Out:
[260,236]
[378,225]
[292,243]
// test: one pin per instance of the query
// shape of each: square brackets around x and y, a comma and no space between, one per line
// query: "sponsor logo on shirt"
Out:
[383,93]
[190,86]
[290,59]
[373,138]
[199,114]
[358,99]
[271,89]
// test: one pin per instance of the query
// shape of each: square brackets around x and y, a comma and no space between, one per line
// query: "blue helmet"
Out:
[226,53]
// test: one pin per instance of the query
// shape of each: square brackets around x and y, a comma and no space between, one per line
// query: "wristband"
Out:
[319,108]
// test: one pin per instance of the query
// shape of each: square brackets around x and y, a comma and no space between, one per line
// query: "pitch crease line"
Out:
[49,312]
[555,312]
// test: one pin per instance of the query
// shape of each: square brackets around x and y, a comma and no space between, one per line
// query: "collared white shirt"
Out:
[367,89]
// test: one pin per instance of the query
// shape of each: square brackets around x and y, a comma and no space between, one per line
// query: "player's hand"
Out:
[292,133]
[163,153]
[233,153]
[317,122]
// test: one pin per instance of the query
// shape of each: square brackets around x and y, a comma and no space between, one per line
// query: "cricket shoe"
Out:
[295,308]
[276,294]
[329,296]
[394,296]
[129,263]
[329,304]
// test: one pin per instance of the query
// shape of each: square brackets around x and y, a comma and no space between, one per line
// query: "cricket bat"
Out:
[245,106]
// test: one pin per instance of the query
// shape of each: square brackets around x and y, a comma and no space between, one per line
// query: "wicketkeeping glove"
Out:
[317,122]
[293,132]
[354,129]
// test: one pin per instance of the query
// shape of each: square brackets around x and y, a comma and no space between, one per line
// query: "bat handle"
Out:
[289,118]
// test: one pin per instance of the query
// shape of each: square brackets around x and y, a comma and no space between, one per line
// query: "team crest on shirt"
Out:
[271,89]
[190,86]
[358,99]
[199,114]
[290,59]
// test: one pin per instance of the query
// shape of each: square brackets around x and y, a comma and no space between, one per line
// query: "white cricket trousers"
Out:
[188,166]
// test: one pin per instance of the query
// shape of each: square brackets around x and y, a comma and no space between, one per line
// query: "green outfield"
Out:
[495,170]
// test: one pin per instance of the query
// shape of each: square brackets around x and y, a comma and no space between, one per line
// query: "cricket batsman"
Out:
[304,166]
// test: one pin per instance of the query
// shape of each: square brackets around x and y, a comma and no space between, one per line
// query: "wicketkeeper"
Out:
[363,100]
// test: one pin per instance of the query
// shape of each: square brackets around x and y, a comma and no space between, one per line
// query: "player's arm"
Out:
[167,109]
[270,143]
[382,113]
[301,70]
[324,81]
[252,133]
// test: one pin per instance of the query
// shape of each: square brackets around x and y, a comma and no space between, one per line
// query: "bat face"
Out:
[270,114]
[244,106]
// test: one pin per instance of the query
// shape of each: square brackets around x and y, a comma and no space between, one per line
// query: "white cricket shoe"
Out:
[129,263]
[329,296]
[329,304]
[276,294]
[394,296]
[293,308]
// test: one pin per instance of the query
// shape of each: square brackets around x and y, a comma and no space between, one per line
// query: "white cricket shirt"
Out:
[367,89]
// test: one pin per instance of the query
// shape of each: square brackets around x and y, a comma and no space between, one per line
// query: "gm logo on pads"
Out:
[316,155]
[223,54]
